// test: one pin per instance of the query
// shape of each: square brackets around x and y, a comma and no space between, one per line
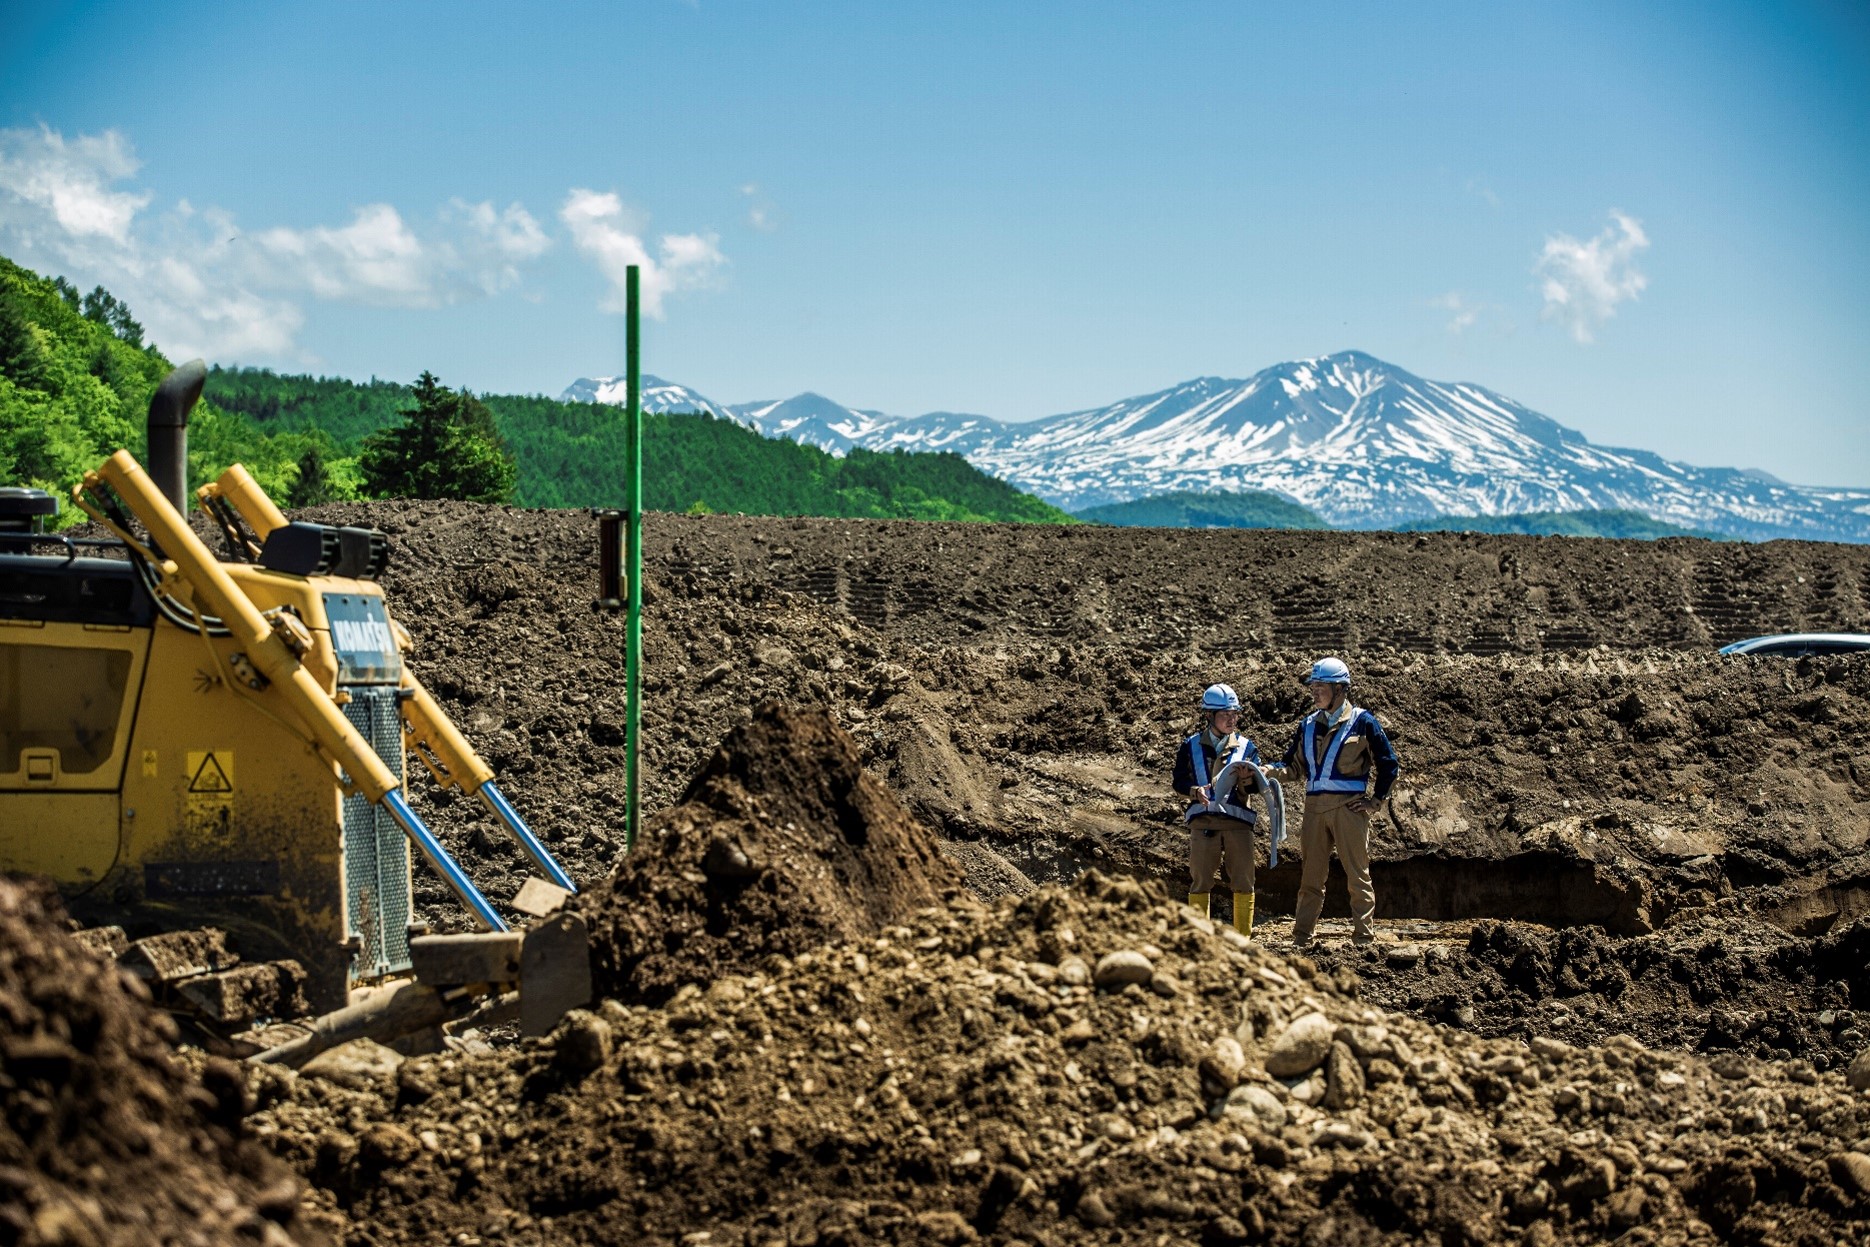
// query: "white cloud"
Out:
[611,235]
[70,182]
[759,211]
[1461,312]
[1476,186]
[374,259]
[202,285]
[474,250]
[1583,282]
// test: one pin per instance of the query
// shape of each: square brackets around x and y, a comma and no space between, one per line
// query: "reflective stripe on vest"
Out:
[1326,778]
[1199,756]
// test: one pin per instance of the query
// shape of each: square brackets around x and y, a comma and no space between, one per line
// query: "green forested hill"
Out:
[571,455]
[75,381]
[1621,524]
[1249,509]
[68,383]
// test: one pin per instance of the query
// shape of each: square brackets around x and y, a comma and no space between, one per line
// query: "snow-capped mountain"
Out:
[814,419]
[1362,442]
[657,395]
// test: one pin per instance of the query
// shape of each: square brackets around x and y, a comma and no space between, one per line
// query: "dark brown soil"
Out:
[967,1075]
[782,844]
[105,1138]
[1023,691]
[1605,834]
[1715,984]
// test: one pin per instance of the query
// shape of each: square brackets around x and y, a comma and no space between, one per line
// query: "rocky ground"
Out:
[1702,822]
[105,1139]
[900,960]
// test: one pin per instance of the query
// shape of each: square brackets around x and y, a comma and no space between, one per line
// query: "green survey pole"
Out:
[633,546]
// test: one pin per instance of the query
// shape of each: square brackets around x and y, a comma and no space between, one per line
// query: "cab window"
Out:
[68,700]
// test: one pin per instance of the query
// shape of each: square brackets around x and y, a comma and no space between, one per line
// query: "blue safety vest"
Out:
[1198,755]
[1326,777]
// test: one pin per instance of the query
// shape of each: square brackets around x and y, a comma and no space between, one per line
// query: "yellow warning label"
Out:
[149,764]
[211,773]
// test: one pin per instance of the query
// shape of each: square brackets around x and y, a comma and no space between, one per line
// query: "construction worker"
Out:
[1213,769]
[1336,749]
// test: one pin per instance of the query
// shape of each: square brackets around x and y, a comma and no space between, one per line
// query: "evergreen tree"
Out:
[22,356]
[102,306]
[313,484]
[446,447]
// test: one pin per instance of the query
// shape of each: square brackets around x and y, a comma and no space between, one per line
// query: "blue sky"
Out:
[1650,222]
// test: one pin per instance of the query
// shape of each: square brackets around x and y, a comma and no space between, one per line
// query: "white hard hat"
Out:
[1220,697]
[1329,671]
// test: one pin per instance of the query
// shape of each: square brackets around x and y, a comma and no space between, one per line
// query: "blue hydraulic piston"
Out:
[541,856]
[398,806]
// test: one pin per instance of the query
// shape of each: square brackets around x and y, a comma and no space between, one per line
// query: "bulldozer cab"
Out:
[190,740]
[138,769]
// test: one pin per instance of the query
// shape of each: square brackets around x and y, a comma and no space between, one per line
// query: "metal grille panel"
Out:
[376,854]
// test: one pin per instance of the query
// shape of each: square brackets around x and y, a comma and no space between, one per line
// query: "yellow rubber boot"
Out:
[1243,915]
[1198,901]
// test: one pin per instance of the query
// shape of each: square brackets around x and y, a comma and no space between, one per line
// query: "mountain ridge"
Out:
[1364,443]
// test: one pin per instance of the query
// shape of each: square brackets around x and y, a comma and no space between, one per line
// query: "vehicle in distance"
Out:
[1801,644]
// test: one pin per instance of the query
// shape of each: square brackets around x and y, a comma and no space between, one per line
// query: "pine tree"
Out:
[313,485]
[102,306]
[446,447]
[22,356]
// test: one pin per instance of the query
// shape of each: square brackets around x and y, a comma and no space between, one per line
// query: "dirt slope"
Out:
[1023,691]
[1086,1065]
[105,1138]
[781,844]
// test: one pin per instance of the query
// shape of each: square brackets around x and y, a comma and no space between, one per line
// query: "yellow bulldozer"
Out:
[191,741]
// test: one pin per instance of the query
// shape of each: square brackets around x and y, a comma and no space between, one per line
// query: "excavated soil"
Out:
[1086,1064]
[782,844]
[1623,891]
[1574,754]
[105,1137]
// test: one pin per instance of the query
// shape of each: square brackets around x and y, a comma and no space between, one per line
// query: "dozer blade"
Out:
[176,955]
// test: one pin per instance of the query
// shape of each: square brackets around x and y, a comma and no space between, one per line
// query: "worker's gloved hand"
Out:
[1365,805]
[1206,793]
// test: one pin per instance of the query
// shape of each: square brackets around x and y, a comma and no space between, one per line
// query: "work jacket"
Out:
[1199,761]
[1338,757]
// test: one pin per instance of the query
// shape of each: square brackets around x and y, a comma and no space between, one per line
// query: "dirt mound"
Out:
[782,843]
[1023,693]
[104,1137]
[1727,983]
[1051,748]
[1084,1065]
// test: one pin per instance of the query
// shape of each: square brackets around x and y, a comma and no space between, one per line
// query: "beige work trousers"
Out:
[1212,837]
[1329,823]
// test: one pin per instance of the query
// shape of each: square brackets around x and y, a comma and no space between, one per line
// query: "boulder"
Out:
[361,1065]
[1220,1067]
[581,1043]
[1851,1171]
[1344,1079]
[1255,1104]
[1301,1046]
[1122,968]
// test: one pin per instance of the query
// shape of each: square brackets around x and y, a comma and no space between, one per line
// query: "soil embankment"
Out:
[1593,764]
[1083,1064]
[898,959]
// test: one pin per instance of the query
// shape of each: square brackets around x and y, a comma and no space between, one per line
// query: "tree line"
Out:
[76,376]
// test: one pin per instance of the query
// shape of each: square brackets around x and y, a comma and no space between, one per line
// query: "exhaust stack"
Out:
[168,431]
